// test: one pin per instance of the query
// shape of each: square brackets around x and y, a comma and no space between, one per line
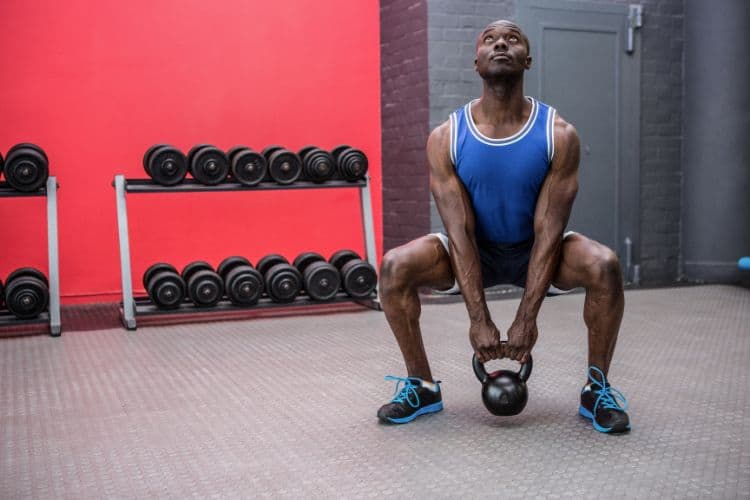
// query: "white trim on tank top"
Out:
[454,137]
[504,141]
[551,133]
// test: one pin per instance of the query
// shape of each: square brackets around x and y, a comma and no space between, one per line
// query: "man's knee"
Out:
[605,267]
[394,269]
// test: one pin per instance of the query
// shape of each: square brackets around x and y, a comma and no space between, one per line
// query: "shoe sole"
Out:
[433,408]
[606,430]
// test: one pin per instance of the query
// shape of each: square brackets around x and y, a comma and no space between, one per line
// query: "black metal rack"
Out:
[52,317]
[142,307]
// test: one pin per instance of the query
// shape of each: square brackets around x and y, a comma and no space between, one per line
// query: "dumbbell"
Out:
[247,167]
[284,166]
[242,283]
[283,281]
[317,165]
[351,163]
[207,164]
[26,167]
[164,285]
[321,280]
[358,277]
[204,286]
[165,164]
[26,292]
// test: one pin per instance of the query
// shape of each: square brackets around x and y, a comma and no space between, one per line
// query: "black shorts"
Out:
[501,264]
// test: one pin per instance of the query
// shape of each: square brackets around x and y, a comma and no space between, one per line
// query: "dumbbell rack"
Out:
[144,308]
[7,320]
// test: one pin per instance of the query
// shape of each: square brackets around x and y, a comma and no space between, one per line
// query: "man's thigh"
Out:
[423,262]
[580,255]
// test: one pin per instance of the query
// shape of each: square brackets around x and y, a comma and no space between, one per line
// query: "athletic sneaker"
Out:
[411,400]
[603,404]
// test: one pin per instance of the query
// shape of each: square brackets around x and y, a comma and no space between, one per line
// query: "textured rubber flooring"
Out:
[286,407]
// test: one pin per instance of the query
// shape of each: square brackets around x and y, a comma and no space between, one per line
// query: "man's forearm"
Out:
[458,218]
[545,256]
[468,273]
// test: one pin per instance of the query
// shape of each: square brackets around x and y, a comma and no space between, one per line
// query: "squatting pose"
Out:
[503,172]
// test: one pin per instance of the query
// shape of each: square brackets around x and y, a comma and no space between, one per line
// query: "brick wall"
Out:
[405,120]
[453,25]
[661,139]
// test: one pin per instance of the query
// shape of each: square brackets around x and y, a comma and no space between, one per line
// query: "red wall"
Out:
[95,83]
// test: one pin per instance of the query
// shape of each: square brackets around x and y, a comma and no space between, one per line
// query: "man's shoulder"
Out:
[440,134]
[564,130]
[567,143]
[439,144]
[443,128]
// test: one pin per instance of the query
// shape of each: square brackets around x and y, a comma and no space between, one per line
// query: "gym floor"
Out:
[285,407]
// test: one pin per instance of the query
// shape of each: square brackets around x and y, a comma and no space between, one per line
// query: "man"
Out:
[503,172]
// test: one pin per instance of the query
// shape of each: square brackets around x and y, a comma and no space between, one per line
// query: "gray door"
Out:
[581,67]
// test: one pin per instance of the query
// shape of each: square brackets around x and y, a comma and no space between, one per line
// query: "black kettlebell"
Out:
[504,392]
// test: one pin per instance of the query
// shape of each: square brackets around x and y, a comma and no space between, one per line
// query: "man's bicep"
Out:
[446,187]
[565,168]
[446,190]
[561,185]
[442,173]
[438,154]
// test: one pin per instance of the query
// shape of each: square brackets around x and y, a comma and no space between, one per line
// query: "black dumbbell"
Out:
[208,164]
[243,284]
[204,286]
[283,281]
[26,292]
[165,164]
[247,167]
[358,277]
[351,163]
[317,165]
[320,279]
[284,166]
[26,167]
[164,285]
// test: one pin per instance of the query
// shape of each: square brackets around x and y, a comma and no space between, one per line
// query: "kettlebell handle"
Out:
[479,370]
[524,373]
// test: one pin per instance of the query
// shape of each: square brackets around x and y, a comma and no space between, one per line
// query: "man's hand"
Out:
[521,338]
[485,339]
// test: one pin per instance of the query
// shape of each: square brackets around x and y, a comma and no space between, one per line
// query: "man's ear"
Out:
[528,62]
[475,65]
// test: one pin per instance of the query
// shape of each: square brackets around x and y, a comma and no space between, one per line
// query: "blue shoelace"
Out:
[607,396]
[407,393]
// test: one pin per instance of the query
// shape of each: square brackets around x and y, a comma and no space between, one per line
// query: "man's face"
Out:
[502,49]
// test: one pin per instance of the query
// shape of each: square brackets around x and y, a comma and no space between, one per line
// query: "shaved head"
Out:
[505,24]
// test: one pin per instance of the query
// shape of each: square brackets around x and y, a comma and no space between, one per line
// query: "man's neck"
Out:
[502,101]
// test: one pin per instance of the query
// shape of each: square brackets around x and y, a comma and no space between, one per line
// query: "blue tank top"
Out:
[503,176]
